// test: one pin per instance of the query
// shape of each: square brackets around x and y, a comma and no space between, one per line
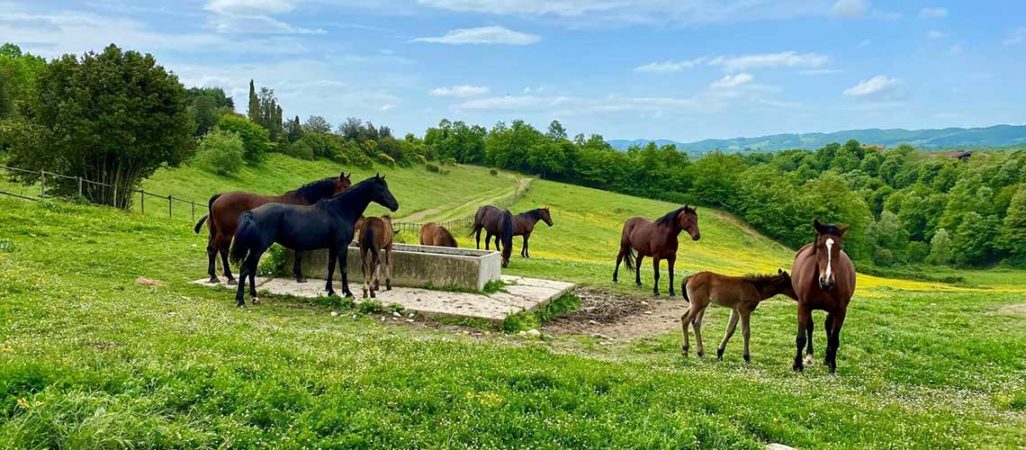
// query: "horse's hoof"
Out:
[809,359]
[300,280]
[240,305]
[255,300]
[748,358]
[719,355]
[655,294]
[332,294]
[214,280]
[797,366]
[232,281]
[684,351]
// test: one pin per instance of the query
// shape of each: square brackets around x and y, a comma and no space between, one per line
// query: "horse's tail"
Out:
[245,235]
[628,259]
[684,289]
[210,207]
[507,230]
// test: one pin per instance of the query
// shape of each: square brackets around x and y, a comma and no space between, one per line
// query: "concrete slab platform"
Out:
[519,294]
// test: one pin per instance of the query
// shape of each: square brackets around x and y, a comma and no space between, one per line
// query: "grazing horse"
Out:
[656,239]
[376,235]
[497,222]
[823,278]
[741,294]
[326,224]
[226,207]
[434,234]
[523,225]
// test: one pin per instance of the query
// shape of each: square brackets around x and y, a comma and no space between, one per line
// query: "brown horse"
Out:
[376,235]
[741,294]
[434,234]
[523,225]
[823,278]
[497,222]
[226,207]
[656,239]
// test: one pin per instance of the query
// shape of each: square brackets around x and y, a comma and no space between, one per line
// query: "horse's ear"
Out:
[817,226]
[780,271]
[843,228]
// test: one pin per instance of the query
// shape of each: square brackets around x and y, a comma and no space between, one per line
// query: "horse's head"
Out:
[342,182]
[827,247]
[687,219]
[782,284]
[381,195]
[544,214]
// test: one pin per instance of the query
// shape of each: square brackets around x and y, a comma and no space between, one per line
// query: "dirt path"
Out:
[446,212]
[620,317]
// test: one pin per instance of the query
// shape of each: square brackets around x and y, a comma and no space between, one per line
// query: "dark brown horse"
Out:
[434,234]
[523,225]
[741,294]
[226,207]
[823,278]
[376,235]
[497,222]
[656,239]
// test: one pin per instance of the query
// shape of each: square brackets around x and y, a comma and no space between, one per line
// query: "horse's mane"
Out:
[670,218]
[832,229]
[760,280]
[534,214]
[317,190]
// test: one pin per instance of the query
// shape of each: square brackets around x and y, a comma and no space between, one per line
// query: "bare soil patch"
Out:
[618,316]
[1014,309]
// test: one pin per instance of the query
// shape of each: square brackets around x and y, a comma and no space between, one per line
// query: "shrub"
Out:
[370,307]
[300,149]
[255,139]
[883,257]
[432,168]
[918,251]
[274,264]
[220,151]
[386,160]
[493,172]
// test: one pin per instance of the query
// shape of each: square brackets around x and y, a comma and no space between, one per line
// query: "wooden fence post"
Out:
[79,186]
[142,201]
[42,183]
[169,206]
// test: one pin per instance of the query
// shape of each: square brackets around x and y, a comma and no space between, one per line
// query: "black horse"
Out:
[326,224]
[496,222]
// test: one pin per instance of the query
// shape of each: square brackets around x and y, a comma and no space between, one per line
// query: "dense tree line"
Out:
[904,206]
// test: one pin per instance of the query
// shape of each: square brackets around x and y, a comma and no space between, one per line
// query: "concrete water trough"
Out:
[416,266]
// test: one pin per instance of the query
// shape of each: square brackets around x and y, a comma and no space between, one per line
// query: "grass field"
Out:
[90,359]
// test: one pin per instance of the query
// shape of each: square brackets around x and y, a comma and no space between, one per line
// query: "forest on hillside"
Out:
[904,206]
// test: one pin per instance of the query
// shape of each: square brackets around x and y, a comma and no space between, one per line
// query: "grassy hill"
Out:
[91,359]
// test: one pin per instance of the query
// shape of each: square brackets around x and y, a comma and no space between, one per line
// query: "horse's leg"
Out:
[477,236]
[670,262]
[225,264]
[343,261]
[212,261]
[746,332]
[731,326]
[834,339]
[809,359]
[365,270]
[804,321]
[253,262]
[698,332]
[488,239]
[388,268]
[331,272]
[685,321]
[655,275]
[619,258]
[297,267]
[240,290]
[523,251]
[637,269]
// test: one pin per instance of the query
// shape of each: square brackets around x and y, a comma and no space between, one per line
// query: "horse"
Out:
[656,239]
[523,225]
[224,210]
[326,224]
[824,278]
[497,222]
[741,294]
[376,235]
[434,234]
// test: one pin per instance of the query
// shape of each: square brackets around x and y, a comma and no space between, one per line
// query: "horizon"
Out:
[680,72]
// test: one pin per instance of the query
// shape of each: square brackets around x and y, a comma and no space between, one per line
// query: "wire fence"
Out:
[169,206]
[55,185]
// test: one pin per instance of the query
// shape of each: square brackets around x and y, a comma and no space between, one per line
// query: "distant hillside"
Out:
[947,138]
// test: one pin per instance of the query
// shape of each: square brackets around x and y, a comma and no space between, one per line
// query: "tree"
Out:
[221,152]
[889,234]
[204,113]
[556,131]
[255,139]
[112,117]
[1013,230]
[215,94]
[973,243]
[940,248]
[253,111]
[293,130]
[317,124]
[18,74]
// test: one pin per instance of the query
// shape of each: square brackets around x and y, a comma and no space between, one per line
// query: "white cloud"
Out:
[482,35]
[386,107]
[1016,37]
[669,66]
[817,72]
[525,7]
[934,34]
[849,8]
[765,60]
[249,7]
[933,13]
[258,25]
[876,86]
[955,50]
[459,91]
[732,80]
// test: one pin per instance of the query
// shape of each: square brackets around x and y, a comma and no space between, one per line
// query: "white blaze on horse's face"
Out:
[830,251]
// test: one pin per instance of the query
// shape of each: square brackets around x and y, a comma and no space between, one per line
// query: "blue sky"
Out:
[676,69]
